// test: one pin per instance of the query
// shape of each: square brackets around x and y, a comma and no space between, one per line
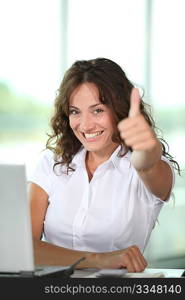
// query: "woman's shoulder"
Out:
[45,160]
[46,155]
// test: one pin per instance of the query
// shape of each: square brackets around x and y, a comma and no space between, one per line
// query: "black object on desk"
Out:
[59,272]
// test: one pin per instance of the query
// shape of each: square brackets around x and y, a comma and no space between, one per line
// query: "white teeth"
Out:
[92,135]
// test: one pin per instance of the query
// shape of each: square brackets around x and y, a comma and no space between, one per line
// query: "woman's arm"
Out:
[158,179]
[49,254]
[38,200]
[146,156]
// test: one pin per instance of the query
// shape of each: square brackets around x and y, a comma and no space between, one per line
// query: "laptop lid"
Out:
[16,248]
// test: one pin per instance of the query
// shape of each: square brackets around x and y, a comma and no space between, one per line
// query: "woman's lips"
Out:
[92,135]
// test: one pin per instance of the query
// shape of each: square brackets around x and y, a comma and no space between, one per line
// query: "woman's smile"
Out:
[91,120]
[93,136]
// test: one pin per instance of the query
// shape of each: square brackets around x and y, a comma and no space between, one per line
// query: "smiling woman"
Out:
[99,187]
[92,124]
[92,121]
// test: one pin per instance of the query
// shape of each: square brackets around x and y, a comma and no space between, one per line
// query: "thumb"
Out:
[134,103]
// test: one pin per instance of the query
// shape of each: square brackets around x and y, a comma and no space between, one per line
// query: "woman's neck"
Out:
[94,159]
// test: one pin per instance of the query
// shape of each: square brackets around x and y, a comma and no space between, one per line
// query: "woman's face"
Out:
[90,120]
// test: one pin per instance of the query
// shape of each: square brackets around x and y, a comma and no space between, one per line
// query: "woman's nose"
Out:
[86,123]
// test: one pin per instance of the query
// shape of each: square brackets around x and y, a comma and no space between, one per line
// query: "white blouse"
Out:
[114,211]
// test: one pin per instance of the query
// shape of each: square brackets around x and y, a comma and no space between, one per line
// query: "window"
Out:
[167,244]
[31,66]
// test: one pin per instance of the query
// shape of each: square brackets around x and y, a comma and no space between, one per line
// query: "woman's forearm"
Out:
[49,254]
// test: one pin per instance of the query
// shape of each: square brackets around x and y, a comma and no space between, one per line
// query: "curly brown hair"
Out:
[114,91]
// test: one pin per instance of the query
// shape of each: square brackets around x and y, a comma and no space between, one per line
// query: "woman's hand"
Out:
[134,130]
[130,258]
[137,134]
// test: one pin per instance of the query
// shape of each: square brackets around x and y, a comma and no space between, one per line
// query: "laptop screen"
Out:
[16,249]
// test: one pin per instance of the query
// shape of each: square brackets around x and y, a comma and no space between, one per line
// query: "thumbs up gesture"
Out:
[137,134]
[134,103]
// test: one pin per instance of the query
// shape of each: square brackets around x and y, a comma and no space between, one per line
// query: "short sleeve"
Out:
[173,176]
[42,174]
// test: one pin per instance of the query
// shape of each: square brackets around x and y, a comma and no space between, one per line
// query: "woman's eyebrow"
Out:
[91,106]
[72,106]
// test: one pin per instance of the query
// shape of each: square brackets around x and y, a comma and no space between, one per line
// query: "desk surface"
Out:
[168,273]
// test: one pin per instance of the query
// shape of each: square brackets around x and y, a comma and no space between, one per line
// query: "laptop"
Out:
[16,247]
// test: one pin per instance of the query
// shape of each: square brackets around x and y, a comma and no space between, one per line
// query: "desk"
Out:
[168,273]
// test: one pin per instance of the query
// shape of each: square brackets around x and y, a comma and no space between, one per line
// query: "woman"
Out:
[100,185]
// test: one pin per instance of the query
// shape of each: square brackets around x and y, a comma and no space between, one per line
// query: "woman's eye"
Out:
[73,112]
[98,110]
